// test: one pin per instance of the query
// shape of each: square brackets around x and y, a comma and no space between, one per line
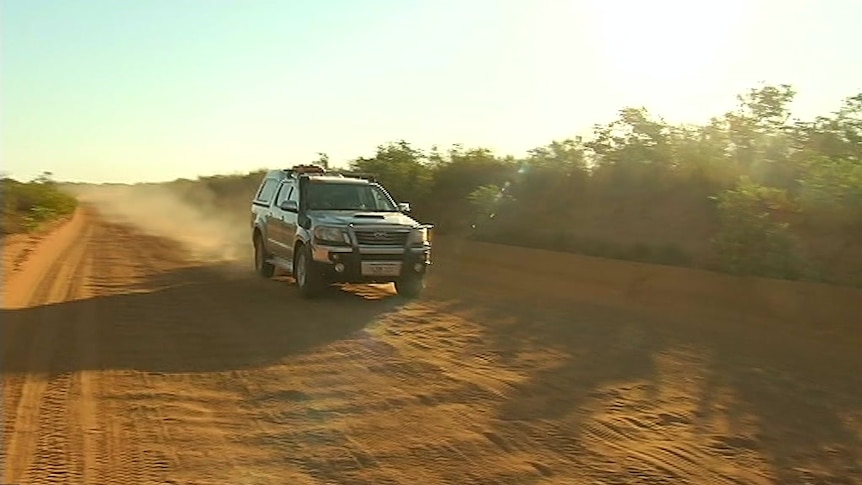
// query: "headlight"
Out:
[331,235]
[419,237]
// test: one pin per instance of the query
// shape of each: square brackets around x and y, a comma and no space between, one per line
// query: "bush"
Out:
[750,239]
[27,206]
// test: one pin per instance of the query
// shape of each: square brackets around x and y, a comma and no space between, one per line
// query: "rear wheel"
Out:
[309,281]
[410,286]
[262,267]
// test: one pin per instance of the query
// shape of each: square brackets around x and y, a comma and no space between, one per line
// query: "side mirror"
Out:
[289,206]
[404,206]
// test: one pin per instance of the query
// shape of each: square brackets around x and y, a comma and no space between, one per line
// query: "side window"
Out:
[267,191]
[294,194]
[283,193]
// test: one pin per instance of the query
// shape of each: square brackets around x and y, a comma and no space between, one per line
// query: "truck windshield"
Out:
[336,196]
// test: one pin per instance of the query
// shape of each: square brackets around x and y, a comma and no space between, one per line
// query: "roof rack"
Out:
[297,170]
[357,175]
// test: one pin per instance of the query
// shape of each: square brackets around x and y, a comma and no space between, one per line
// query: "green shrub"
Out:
[750,239]
[28,206]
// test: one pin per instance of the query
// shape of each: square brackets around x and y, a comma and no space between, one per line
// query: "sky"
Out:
[154,90]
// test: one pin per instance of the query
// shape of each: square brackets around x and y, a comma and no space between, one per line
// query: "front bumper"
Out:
[345,264]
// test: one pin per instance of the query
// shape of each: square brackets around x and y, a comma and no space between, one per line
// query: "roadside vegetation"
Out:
[29,205]
[751,192]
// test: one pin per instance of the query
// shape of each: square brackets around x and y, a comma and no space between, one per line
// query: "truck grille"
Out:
[381,238]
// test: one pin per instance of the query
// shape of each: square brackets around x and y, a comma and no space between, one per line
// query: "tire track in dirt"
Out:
[59,458]
[74,438]
[237,398]
[84,392]
[650,428]
[131,446]
[166,400]
[37,399]
[389,416]
[661,456]
[173,412]
[101,439]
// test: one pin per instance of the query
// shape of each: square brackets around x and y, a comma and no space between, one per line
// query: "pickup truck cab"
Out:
[324,228]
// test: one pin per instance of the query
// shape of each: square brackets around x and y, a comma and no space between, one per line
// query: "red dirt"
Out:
[126,360]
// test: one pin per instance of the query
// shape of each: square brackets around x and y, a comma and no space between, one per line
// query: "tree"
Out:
[46,177]
[401,168]
[322,160]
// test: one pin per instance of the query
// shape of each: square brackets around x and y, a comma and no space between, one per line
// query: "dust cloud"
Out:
[191,216]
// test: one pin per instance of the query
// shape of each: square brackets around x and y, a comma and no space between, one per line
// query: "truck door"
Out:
[262,206]
[275,223]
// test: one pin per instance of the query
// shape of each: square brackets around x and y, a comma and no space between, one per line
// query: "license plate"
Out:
[381,269]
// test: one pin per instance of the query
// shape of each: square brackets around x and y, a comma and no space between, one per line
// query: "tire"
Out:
[261,266]
[410,286]
[309,281]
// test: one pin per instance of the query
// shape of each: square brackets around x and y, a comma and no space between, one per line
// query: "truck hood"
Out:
[343,218]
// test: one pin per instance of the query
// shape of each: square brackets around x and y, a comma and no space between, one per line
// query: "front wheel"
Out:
[410,286]
[309,281]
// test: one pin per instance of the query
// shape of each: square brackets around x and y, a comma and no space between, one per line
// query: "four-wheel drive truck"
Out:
[324,228]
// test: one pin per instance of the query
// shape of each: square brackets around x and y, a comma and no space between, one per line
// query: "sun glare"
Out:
[665,42]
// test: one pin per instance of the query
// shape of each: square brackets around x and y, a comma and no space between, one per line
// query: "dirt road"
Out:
[128,362]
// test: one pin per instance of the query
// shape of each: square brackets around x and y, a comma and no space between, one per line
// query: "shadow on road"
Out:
[792,398]
[784,401]
[199,319]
